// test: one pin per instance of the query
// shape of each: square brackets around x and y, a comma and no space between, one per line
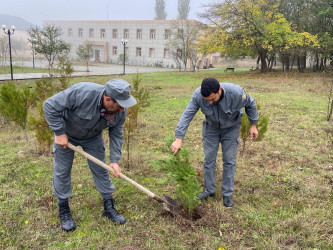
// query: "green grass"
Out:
[283,186]
[20,70]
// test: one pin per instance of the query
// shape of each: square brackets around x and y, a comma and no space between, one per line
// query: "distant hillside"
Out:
[18,22]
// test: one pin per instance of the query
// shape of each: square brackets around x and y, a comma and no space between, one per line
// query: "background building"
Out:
[146,44]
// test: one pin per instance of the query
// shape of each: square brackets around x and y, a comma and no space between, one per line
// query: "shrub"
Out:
[262,126]
[15,103]
[43,134]
[142,97]
[181,170]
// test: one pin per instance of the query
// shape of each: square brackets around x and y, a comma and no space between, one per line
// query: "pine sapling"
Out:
[262,126]
[182,172]
[15,103]
[142,97]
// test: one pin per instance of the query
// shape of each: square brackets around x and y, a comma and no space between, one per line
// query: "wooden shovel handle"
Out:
[107,167]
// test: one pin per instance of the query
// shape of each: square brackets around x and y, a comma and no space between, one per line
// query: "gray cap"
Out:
[120,90]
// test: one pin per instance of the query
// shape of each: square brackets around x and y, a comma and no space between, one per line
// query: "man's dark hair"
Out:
[209,86]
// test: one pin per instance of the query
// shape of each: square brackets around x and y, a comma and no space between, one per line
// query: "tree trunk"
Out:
[262,55]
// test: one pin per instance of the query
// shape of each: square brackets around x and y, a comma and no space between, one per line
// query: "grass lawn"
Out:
[283,186]
[22,70]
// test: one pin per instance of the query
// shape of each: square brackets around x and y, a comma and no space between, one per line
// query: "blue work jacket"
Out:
[77,112]
[224,114]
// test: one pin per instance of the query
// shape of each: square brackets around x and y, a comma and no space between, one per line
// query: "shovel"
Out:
[168,204]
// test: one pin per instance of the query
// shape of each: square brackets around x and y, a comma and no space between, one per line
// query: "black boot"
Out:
[67,222]
[112,213]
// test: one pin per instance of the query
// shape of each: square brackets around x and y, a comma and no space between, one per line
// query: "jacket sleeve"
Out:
[250,105]
[187,116]
[53,108]
[116,139]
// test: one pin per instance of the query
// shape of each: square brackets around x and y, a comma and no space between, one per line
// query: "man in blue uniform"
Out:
[222,104]
[78,115]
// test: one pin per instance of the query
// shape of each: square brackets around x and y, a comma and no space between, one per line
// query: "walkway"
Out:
[96,69]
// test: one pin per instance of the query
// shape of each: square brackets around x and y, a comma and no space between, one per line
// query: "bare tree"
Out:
[160,13]
[183,9]
[183,42]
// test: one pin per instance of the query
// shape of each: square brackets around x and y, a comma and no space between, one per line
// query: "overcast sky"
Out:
[35,11]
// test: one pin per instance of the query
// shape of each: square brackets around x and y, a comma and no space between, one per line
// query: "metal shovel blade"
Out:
[170,205]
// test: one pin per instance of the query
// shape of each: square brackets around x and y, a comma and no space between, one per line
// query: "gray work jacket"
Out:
[76,111]
[224,114]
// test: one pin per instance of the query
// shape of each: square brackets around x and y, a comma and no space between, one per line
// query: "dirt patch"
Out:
[202,215]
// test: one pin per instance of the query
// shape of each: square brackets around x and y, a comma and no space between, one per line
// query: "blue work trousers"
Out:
[229,139]
[63,161]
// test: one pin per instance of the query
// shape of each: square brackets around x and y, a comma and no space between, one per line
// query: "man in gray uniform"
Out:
[78,115]
[222,106]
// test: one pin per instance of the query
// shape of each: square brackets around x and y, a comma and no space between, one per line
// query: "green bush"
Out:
[181,170]
[142,97]
[15,103]
[37,123]
[43,134]
[262,126]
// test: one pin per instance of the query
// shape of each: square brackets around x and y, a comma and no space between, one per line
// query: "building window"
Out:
[180,33]
[80,33]
[139,34]
[138,52]
[91,32]
[152,34]
[126,33]
[166,53]
[114,33]
[151,52]
[114,50]
[179,52]
[126,51]
[167,34]
[70,32]
[102,33]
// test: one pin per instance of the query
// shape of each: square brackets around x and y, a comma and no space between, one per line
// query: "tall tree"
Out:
[160,13]
[46,42]
[183,9]
[322,25]
[252,28]
[183,43]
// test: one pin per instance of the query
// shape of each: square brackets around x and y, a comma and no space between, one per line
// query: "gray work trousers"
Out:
[63,160]
[229,139]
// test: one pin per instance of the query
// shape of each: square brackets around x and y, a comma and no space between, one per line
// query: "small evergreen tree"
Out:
[64,70]
[262,126]
[43,134]
[181,170]
[15,103]
[142,97]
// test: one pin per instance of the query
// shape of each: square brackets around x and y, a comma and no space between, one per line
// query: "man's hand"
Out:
[61,140]
[253,132]
[116,168]
[176,145]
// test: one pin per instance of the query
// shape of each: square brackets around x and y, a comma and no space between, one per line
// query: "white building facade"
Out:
[146,40]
